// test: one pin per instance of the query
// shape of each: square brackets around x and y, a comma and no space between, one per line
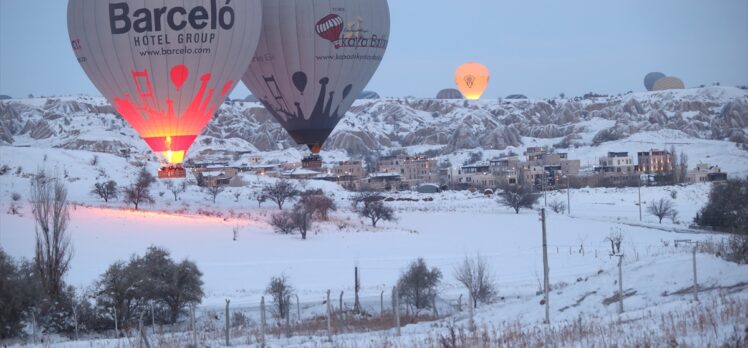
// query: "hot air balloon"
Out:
[667,83]
[472,80]
[651,78]
[165,68]
[449,93]
[314,59]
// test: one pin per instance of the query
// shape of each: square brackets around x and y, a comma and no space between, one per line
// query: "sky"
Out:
[532,47]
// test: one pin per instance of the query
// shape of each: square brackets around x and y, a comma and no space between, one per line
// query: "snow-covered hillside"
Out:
[706,123]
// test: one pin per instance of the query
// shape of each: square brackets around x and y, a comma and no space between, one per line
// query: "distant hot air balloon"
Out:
[472,80]
[667,83]
[449,93]
[165,67]
[651,78]
[314,59]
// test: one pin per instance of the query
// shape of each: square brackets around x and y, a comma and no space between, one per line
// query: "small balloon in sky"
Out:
[472,80]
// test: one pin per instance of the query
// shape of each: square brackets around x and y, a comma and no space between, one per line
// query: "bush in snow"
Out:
[280,192]
[662,209]
[213,191]
[280,290]
[4,169]
[14,297]
[727,209]
[105,190]
[517,197]
[476,277]
[418,285]
[283,222]
[139,191]
[558,207]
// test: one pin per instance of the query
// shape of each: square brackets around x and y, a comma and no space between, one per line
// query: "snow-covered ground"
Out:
[443,232]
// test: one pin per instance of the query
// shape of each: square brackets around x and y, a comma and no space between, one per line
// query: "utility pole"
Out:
[357,287]
[228,324]
[568,194]
[620,283]
[695,277]
[546,283]
[640,199]
[262,321]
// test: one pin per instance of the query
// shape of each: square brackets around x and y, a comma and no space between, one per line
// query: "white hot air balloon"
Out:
[166,66]
[314,59]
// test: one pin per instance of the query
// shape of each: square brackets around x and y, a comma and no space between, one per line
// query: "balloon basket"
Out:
[172,172]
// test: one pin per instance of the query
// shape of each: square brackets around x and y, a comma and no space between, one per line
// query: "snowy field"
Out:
[443,232]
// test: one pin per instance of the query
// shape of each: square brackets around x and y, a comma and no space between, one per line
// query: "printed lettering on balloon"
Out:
[333,28]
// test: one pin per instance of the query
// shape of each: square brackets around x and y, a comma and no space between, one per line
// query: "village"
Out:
[539,168]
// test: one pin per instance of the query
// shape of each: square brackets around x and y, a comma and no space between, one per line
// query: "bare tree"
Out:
[557,206]
[106,190]
[214,190]
[302,219]
[53,250]
[418,285]
[260,198]
[365,198]
[319,204]
[615,239]
[476,277]
[377,211]
[280,192]
[139,192]
[662,209]
[517,197]
[176,189]
[280,290]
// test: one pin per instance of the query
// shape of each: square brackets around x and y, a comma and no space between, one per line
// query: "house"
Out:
[616,163]
[216,174]
[381,181]
[350,169]
[300,174]
[413,170]
[655,162]
[705,173]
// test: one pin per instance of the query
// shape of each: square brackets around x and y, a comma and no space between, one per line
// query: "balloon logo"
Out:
[179,75]
[472,80]
[330,28]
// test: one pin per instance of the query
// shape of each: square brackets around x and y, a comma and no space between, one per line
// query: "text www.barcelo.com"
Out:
[168,52]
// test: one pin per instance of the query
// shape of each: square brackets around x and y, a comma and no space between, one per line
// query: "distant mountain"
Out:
[382,125]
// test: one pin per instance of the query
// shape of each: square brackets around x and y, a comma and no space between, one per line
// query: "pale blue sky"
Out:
[533,47]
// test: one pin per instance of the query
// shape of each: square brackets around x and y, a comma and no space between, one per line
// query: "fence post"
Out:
[228,323]
[436,312]
[340,308]
[75,320]
[546,281]
[262,321]
[116,325]
[381,304]
[620,284]
[396,308]
[357,287]
[459,304]
[471,324]
[329,320]
[695,277]
[194,326]
[298,309]
[153,318]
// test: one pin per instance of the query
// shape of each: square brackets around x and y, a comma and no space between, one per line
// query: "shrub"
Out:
[727,208]
[517,197]
[418,285]
[557,206]
[280,290]
[283,222]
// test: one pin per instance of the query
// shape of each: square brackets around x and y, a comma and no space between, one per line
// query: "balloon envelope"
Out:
[314,59]
[449,93]
[165,68]
[651,78]
[667,83]
[472,80]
